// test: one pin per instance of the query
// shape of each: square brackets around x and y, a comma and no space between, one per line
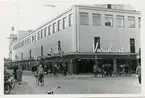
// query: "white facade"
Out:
[79,38]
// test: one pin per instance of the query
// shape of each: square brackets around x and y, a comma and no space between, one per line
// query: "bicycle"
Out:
[39,79]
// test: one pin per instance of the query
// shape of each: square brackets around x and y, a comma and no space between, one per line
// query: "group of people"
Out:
[46,69]
[106,69]
[17,72]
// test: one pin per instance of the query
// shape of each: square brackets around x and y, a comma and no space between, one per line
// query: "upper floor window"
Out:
[59,24]
[120,21]
[64,23]
[108,20]
[33,38]
[42,33]
[49,30]
[38,35]
[96,19]
[70,20]
[139,22]
[54,27]
[45,31]
[84,19]
[131,22]
[109,6]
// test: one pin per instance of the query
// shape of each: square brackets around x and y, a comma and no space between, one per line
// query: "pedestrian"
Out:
[40,72]
[55,70]
[19,74]
[64,69]
[138,72]
[95,69]
[15,68]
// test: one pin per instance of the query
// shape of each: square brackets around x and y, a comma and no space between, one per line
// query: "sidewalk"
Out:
[75,75]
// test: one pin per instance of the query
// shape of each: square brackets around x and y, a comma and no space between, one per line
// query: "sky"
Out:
[30,14]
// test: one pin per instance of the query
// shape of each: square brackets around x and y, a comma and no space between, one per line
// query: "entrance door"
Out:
[85,66]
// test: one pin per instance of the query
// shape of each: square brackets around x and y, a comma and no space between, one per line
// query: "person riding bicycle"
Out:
[40,72]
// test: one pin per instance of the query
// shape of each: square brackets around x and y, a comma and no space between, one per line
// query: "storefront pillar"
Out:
[71,66]
[115,65]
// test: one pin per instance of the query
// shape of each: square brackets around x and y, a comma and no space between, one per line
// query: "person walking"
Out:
[64,69]
[138,72]
[40,72]
[19,73]
[15,68]
[55,70]
[95,69]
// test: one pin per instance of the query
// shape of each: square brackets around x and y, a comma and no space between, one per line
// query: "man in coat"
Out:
[138,72]
[19,74]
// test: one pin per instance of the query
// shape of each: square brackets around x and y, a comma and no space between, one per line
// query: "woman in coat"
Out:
[19,74]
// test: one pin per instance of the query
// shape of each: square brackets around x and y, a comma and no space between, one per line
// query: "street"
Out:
[78,84]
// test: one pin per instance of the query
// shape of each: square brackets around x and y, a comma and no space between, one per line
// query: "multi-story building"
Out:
[109,34]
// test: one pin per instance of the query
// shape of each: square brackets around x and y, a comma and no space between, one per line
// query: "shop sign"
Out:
[54,51]
[109,49]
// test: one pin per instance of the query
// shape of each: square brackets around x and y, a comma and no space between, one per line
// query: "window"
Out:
[132,45]
[59,47]
[109,6]
[30,53]
[97,41]
[49,30]
[59,24]
[70,20]
[139,22]
[38,35]
[54,27]
[23,43]
[64,22]
[42,33]
[45,31]
[21,55]
[33,38]
[108,20]
[84,18]
[120,21]
[96,19]
[131,22]
[41,50]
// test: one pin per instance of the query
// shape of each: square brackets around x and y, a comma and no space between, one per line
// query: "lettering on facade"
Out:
[109,49]
[54,51]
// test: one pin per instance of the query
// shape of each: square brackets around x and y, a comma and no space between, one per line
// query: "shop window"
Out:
[96,19]
[131,22]
[84,19]
[108,20]
[132,45]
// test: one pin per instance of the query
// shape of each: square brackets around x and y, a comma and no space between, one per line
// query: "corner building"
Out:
[81,35]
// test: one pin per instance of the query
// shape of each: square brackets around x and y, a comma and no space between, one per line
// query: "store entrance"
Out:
[85,66]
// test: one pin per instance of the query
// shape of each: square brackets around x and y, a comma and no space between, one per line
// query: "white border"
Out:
[139,3]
